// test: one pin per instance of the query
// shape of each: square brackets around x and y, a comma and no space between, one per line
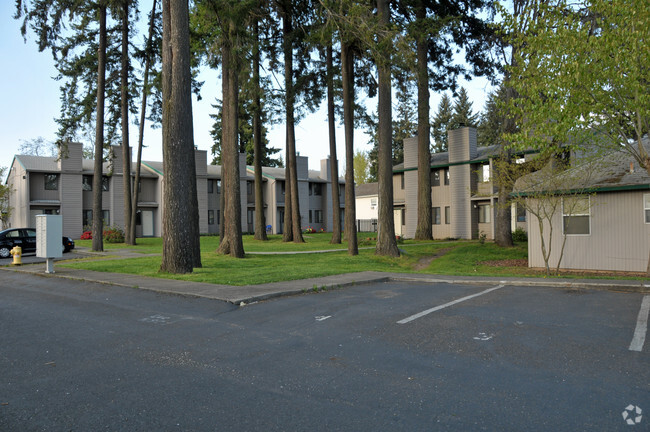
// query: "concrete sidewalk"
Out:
[251,293]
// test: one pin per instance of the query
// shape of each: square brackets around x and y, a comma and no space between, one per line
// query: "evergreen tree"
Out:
[441,124]
[463,113]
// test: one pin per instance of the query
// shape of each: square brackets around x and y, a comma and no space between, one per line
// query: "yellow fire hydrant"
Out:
[17,252]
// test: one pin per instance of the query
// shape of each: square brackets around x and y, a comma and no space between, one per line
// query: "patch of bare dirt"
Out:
[425,261]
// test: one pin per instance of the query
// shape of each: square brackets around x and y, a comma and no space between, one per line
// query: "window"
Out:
[484,213]
[210,187]
[106,181]
[249,187]
[446,176]
[218,217]
[484,173]
[403,216]
[310,218]
[105,217]
[317,189]
[318,216]
[646,207]
[51,211]
[87,183]
[210,217]
[87,218]
[435,178]
[576,216]
[521,213]
[447,215]
[282,187]
[401,179]
[218,186]
[435,215]
[51,182]
[250,216]
[373,203]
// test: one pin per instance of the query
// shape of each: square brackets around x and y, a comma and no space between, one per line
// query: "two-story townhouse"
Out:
[463,195]
[64,186]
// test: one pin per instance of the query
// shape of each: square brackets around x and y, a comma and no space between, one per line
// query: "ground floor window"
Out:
[435,215]
[576,215]
[318,216]
[646,207]
[447,215]
[210,217]
[484,213]
[87,217]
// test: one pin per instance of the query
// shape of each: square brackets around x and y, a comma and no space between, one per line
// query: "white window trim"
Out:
[578,214]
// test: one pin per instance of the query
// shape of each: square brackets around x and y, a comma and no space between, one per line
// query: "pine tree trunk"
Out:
[126,149]
[287,229]
[296,229]
[347,76]
[232,243]
[260,222]
[423,230]
[334,167]
[97,231]
[143,111]
[180,206]
[386,243]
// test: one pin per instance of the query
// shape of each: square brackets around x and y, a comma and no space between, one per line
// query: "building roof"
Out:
[440,160]
[368,189]
[615,170]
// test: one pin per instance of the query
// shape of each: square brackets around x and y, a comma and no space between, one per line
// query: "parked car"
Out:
[26,239]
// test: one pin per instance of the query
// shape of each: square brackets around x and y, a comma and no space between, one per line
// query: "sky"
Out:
[30,104]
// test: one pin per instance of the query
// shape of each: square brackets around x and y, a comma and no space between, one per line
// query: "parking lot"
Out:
[387,356]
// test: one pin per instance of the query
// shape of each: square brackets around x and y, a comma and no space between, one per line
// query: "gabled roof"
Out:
[615,170]
[368,189]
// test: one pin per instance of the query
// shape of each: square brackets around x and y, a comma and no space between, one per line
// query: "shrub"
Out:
[519,235]
[87,235]
[309,230]
[113,234]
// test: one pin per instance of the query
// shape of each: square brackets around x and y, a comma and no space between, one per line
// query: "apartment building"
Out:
[45,185]
[463,195]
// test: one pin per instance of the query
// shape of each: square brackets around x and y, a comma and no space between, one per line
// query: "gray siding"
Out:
[71,204]
[619,238]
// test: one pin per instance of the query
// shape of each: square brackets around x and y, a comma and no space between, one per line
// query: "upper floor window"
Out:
[51,182]
[211,187]
[317,188]
[484,173]
[446,176]
[219,186]
[646,207]
[87,183]
[435,178]
[576,216]
[521,213]
[249,187]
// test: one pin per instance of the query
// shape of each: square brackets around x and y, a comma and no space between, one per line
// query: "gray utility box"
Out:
[49,232]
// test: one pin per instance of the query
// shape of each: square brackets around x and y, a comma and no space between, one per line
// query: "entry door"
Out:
[147,223]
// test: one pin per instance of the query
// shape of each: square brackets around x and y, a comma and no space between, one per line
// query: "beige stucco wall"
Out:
[619,238]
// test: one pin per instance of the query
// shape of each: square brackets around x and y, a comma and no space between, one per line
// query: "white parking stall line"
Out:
[641,325]
[437,308]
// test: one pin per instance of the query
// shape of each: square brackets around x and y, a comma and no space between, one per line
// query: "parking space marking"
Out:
[437,308]
[641,325]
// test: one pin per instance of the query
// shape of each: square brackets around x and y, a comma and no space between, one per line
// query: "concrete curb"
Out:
[254,293]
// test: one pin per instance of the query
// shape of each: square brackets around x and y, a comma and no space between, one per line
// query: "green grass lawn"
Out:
[452,258]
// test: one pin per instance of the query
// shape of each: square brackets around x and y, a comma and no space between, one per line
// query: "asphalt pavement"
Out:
[381,356]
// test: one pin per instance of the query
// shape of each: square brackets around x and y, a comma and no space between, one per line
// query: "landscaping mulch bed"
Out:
[506,263]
